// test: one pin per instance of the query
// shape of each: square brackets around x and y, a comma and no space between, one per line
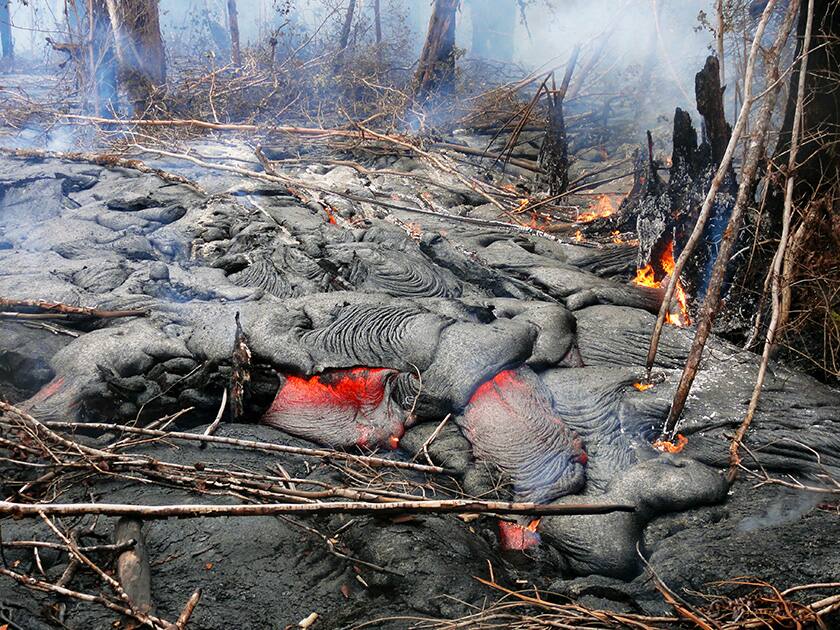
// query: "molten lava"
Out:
[646,277]
[340,408]
[516,537]
[642,387]
[671,447]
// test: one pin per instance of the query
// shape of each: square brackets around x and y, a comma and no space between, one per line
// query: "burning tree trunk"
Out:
[233,25]
[139,47]
[436,68]
[6,30]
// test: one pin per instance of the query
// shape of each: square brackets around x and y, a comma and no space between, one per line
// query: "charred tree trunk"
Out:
[554,152]
[6,42]
[139,48]
[233,26]
[436,69]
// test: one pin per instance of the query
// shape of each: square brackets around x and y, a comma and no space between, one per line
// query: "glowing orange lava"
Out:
[643,386]
[671,447]
[516,537]
[646,277]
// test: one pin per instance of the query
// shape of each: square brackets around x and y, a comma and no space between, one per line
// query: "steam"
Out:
[791,507]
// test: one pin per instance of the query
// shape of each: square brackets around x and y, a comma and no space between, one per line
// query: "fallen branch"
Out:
[458,506]
[58,308]
[262,446]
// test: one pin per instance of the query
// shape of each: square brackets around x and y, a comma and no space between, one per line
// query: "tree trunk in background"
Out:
[819,151]
[139,47]
[6,30]
[377,24]
[344,38]
[436,68]
[233,24]
[493,22]
[102,61]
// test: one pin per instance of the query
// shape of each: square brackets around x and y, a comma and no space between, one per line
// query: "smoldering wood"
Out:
[554,152]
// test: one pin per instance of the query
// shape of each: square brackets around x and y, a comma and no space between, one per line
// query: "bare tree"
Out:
[6,30]
[436,68]
[233,25]
[139,47]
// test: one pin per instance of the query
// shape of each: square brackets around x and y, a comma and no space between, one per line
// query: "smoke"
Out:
[789,508]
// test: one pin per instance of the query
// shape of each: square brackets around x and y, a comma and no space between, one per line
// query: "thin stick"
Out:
[215,424]
[263,446]
[458,506]
[726,161]
[184,617]
[776,269]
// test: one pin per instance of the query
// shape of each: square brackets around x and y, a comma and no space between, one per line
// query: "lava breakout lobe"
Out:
[340,408]
[510,422]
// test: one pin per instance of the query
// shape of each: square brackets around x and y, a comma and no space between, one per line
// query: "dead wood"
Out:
[717,181]
[133,569]
[755,153]
[451,506]
[58,309]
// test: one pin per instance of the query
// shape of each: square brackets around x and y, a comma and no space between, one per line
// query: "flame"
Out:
[523,203]
[646,277]
[579,236]
[671,447]
[616,237]
[643,386]
[603,207]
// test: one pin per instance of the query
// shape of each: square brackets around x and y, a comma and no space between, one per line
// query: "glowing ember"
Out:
[671,447]
[579,236]
[515,537]
[616,237]
[603,207]
[643,387]
[523,203]
[646,277]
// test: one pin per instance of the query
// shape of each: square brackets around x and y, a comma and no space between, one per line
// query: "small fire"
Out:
[616,237]
[523,203]
[642,387]
[579,236]
[671,447]
[646,277]
[603,207]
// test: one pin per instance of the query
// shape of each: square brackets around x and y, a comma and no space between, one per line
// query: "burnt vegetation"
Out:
[446,314]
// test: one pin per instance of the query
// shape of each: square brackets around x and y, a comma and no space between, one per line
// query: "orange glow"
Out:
[616,237]
[579,236]
[509,187]
[642,387]
[603,207]
[523,203]
[516,537]
[646,277]
[671,447]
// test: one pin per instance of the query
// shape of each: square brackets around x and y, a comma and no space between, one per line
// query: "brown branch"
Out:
[262,446]
[458,506]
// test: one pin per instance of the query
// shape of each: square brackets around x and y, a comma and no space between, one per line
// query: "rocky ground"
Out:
[329,278]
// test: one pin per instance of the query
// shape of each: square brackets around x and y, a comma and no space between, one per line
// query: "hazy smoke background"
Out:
[553,28]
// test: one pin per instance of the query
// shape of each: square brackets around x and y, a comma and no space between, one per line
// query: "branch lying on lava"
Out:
[41,309]
[453,506]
